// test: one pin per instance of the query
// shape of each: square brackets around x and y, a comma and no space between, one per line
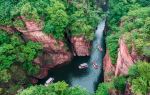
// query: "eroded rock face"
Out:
[109,69]
[50,44]
[81,46]
[124,60]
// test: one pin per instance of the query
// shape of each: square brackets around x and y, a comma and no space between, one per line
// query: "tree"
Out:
[4,38]
[5,7]
[144,2]
[16,58]
[139,77]
[112,45]
[103,88]
[5,76]
[7,56]
[56,20]
[53,89]
[59,88]
[120,83]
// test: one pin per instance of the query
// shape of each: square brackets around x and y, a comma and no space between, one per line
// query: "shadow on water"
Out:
[63,73]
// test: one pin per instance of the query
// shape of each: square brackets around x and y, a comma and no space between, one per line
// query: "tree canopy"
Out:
[16,58]
[140,78]
[59,88]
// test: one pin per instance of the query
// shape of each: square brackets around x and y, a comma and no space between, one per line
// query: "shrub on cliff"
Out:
[5,75]
[139,78]
[104,88]
[112,45]
[146,49]
[120,83]
[80,28]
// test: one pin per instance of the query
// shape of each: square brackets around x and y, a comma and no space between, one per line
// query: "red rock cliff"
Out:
[109,69]
[124,60]
[81,47]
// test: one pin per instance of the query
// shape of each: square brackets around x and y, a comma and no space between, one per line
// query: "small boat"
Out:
[100,49]
[83,65]
[95,65]
[49,81]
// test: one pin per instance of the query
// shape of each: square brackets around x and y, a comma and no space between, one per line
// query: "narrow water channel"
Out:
[86,78]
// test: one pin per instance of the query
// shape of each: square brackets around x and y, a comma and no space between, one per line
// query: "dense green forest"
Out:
[55,17]
[129,19]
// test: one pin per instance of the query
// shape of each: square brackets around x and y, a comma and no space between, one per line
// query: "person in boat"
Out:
[100,49]
[95,65]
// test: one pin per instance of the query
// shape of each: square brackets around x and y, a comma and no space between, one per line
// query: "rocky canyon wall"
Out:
[124,61]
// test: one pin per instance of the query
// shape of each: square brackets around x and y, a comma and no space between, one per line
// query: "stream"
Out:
[88,78]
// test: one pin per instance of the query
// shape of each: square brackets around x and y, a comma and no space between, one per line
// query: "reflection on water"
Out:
[86,78]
